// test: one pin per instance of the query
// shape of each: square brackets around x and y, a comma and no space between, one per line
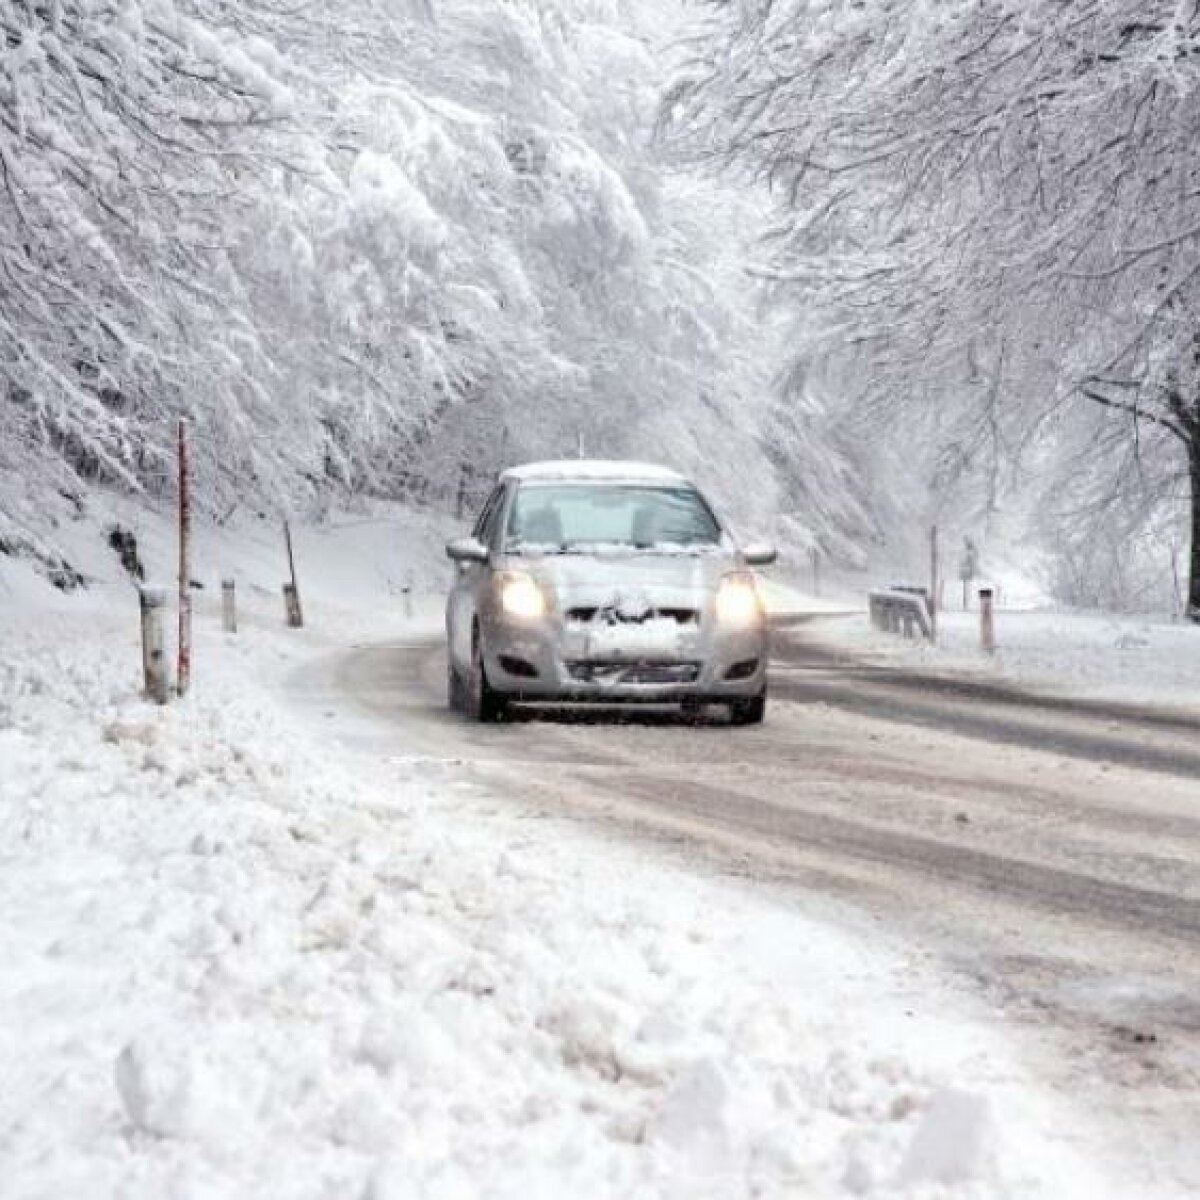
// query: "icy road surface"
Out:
[1047,850]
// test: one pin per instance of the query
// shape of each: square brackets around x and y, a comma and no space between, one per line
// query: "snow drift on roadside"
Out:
[240,961]
[1144,660]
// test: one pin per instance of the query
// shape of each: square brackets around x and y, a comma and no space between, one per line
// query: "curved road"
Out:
[1047,850]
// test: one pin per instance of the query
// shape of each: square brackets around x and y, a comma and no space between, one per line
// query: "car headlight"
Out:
[521,597]
[738,601]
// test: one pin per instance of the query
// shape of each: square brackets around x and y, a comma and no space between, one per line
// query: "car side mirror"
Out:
[467,550]
[759,554]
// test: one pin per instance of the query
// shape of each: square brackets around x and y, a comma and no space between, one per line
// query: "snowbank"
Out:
[1133,659]
[784,600]
[370,563]
[243,960]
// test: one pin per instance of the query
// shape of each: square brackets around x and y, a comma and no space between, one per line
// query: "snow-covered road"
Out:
[1048,852]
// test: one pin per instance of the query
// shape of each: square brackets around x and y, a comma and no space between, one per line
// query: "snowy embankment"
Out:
[243,960]
[1143,660]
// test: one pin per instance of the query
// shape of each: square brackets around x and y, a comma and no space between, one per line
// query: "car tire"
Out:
[484,703]
[749,711]
[456,688]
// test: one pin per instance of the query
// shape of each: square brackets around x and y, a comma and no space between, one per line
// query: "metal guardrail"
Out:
[901,610]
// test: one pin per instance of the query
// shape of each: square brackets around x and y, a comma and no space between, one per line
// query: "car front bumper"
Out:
[550,660]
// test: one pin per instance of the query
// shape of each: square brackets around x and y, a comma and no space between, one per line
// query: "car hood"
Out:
[634,579]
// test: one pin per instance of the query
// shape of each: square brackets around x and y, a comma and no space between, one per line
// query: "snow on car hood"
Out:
[627,577]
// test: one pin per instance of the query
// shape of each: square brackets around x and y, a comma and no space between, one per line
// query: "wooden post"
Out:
[153,601]
[933,582]
[987,621]
[228,606]
[183,670]
[291,591]
[291,605]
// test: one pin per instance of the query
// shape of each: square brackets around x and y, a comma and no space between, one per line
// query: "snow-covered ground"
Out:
[1144,660]
[786,599]
[243,959]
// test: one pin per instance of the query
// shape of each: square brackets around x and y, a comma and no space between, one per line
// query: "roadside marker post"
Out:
[228,606]
[291,591]
[934,582]
[291,605]
[153,602]
[183,671]
[987,620]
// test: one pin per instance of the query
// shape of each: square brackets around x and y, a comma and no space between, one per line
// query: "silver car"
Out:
[604,581]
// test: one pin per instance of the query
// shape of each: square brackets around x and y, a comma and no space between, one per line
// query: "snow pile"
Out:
[783,599]
[370,563]
[1103,656]
[241,960]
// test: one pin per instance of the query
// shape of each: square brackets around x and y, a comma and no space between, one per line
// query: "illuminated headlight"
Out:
[737,601]
[521,597]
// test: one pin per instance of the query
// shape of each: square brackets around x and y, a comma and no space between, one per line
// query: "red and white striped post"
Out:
[183,669]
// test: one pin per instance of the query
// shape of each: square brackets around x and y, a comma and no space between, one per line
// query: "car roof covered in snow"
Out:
[592,470]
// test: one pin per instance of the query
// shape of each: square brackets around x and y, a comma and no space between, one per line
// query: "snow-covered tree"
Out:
[128,131]
[990,207]
[377,248]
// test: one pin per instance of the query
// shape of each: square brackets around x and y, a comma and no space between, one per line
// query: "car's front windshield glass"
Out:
[574,517]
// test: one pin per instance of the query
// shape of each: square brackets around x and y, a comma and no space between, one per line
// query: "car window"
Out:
[569,516]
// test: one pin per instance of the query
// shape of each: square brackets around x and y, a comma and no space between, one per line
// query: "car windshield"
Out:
[572,517]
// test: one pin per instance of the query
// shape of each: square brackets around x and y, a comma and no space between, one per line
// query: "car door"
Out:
[469,579]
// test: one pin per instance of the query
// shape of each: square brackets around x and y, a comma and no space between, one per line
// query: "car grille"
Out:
[634,673]
[585,614]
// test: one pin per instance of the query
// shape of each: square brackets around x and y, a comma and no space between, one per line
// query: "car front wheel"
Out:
[484,703]
[749,711]
[456,688]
